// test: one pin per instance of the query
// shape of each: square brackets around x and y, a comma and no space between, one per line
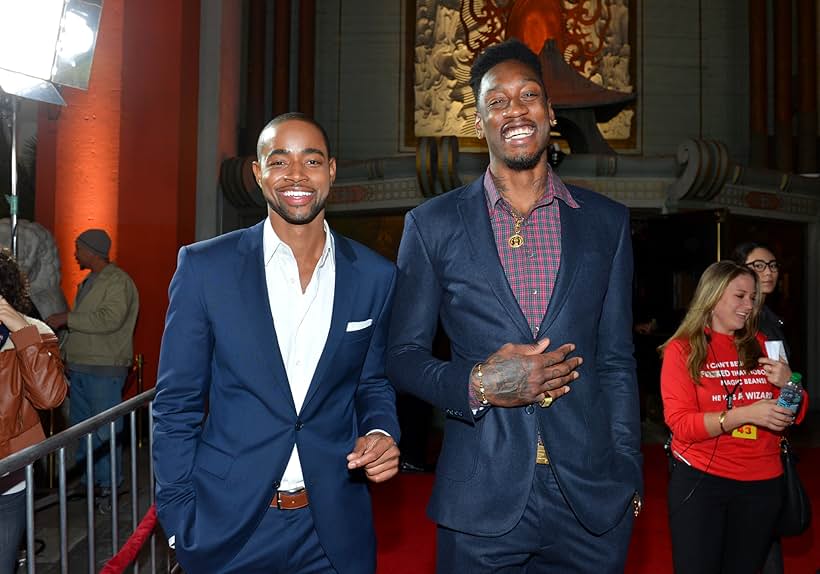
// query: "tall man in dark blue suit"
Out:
[531,280]
[272,406]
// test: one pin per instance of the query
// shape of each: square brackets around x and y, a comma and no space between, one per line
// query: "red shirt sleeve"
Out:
[679,394]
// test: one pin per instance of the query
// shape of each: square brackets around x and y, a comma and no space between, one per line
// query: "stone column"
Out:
[783,116]
[123,155]
[281,57]
[255,113]
[307,54]
[758,86]
[807,86]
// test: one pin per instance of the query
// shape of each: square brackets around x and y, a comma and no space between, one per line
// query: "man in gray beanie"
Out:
[99,346]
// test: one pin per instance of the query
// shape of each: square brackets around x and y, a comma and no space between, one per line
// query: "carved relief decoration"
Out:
[593,36]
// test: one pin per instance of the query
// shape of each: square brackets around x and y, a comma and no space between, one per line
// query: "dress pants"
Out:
[12,528]
[548,538]
[285,542]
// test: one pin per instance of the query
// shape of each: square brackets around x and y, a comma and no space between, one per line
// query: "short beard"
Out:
[300,219]
[525,163]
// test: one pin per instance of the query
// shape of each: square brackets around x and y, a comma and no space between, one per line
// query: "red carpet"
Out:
[406,537]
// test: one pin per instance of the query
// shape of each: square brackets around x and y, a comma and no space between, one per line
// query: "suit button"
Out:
[529,409]
[299,424]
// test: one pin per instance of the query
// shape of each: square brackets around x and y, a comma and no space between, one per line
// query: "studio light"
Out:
[47,42]
[42,43]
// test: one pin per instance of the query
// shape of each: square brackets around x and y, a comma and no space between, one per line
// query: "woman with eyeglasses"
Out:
[31,377]
[719,393]
[762,261]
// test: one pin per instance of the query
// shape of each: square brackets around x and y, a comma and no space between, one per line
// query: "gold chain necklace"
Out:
[516,240]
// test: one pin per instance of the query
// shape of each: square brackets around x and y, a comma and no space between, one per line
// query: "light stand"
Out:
[8,113]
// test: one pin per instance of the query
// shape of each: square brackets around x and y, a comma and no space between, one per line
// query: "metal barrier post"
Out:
[112,441]
[132,419]
[63,511]
[31,557]
[140,361]
[89,502]
[151,482]
[50,464]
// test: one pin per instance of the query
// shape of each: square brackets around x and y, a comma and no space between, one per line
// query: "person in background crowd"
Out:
[99,346]
[760,258]
[273,410]
[762,261]
[31,377]
[523,270]
[719,393]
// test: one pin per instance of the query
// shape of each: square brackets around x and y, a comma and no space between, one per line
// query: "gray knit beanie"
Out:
[96,241]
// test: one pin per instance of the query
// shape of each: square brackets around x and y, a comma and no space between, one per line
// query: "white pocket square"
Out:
[358,325]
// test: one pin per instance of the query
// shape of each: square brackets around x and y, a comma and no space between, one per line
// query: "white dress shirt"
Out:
[301,320]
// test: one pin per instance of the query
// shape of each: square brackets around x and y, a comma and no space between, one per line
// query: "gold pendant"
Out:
[515,241]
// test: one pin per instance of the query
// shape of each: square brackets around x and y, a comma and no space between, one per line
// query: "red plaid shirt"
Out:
[532,268]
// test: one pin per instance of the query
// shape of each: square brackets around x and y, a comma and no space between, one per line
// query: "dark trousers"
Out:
[285,542]
[774,560]
[719,525]
[548,538]
[12,528]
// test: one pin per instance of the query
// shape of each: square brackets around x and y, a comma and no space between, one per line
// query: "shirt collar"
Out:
[555,188]
[271,243]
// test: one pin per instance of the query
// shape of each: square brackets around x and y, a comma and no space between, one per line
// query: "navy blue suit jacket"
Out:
[224,417]
[449,269]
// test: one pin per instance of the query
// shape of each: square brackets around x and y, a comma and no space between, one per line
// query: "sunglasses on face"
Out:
[760,266]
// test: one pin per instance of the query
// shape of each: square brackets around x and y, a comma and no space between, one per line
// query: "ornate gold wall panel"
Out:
[596,37]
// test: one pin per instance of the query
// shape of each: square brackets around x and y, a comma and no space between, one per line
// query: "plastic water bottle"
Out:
[792,393]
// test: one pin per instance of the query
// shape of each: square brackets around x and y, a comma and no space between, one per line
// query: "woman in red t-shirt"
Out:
[719,395]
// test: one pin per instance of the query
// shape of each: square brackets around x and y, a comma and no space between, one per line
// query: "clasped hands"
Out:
[522,374]
[377,454]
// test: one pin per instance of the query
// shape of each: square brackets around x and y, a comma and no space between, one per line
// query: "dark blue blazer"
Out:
[449,269]
[224,417]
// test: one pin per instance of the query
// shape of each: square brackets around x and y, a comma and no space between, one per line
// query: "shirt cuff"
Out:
[378,430]
[172,542]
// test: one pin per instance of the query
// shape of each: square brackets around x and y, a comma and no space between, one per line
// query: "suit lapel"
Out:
[472,209]
[253,293]
[572,242]
[343,294]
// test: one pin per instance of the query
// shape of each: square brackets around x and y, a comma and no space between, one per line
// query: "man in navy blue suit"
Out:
[531,280]
[272,409]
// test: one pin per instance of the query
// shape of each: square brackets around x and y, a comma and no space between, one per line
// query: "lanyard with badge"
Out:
[747,431]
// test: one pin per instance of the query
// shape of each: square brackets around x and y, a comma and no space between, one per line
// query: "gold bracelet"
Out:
[482,397]
[721,420]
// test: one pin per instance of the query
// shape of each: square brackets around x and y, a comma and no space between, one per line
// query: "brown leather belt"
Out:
[289,500]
